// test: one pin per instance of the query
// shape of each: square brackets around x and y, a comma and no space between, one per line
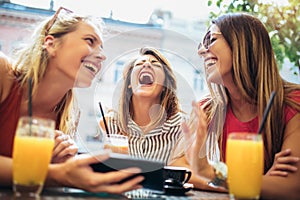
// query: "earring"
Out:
[129,86]
[43,47]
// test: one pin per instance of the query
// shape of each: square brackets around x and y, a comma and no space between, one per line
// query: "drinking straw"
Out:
[29,97]
[30,103]
[104,120]
[266,112]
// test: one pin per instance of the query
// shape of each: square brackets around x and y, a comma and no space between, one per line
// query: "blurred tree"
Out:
[282,22]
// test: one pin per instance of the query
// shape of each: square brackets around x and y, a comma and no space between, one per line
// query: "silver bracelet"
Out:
[220,169]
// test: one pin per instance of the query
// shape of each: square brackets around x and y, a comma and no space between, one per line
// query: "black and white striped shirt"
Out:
[157,144]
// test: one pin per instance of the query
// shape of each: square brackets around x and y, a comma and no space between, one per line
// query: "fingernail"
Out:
[134,170]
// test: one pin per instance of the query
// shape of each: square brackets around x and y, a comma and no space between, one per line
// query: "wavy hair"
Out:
[168,98]
[32,59]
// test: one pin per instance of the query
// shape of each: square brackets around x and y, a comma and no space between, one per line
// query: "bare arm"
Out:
[5,85]
[286,187]
[5,77]
[284,163]
[195,132]
[199,182]
[5,171]
[76,172]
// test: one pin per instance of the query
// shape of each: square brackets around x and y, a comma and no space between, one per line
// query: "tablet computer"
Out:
[151,170]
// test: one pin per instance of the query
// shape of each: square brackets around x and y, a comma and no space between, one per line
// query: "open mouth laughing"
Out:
[146,78]
[210,62]
[90,66]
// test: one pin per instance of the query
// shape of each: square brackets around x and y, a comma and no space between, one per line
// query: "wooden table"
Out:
[74,194]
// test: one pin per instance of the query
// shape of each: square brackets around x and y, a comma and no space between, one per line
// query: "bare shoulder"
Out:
[291,141]
[6,80]
[292,136]
[293,127]
[4,62]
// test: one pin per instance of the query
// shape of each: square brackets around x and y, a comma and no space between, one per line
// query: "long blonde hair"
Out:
[256,75]
[32,59]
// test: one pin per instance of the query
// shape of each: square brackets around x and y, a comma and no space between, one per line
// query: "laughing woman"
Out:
[241,72]
[149,112]
[65,52]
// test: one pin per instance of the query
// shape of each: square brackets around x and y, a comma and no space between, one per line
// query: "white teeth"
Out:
[91,67]
[210,62]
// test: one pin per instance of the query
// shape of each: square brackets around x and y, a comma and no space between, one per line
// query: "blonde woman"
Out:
[241,72]
[65,51]
[149,112]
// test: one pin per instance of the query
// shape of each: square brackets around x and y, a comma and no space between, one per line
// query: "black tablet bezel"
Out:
[151,170]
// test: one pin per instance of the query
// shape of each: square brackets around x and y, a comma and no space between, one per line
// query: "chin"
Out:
[83,84]
[215,78]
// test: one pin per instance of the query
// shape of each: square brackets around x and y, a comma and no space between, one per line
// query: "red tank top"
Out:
[9,116]
[232,124]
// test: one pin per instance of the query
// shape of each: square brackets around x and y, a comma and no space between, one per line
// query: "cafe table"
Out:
[70,194]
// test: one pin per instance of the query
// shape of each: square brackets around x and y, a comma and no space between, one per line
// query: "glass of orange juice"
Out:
[245,162]
[32,152]
[116,143]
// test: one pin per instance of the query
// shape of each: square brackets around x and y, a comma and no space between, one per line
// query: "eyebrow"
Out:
[216,33]
[150,60]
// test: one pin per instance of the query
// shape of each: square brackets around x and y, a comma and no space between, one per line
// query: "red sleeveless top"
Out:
[9,116]
[233,124]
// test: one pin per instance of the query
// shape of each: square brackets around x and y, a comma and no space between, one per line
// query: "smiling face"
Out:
[217,56]
[147,77]
[78,57]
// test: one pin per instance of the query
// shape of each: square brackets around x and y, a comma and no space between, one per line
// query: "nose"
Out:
[147,64]
[202,50]
[99,54]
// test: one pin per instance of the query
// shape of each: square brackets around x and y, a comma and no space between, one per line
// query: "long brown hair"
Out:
[168,99]
[256,75]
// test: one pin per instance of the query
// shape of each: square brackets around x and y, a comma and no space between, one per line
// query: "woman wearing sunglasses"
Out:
[65,52]
[241,72]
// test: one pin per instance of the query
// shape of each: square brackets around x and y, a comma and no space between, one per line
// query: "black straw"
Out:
[266,112]
[104,120]
[30,103]
[29,97]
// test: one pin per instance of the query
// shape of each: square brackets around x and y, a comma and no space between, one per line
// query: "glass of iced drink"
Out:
[116,143]
[32,152]
[245,162]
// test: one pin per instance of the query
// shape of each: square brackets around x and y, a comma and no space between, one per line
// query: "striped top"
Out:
[157,144]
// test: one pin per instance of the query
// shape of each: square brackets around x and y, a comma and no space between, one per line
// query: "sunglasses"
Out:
[208,40]
[52,21]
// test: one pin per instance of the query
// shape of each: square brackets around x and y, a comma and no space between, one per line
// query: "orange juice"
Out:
[116,148]
[117,143]
[31,157]
[244,159]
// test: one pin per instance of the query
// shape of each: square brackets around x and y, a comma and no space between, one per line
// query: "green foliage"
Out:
[282,22]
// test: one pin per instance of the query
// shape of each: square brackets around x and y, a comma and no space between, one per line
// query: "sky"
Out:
[137,11]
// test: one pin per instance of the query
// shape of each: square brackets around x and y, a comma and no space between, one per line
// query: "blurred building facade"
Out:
[177,38]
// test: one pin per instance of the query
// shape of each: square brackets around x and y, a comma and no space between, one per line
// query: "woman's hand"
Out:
[64,147]
[77,172]
[195,133]
[283,164]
